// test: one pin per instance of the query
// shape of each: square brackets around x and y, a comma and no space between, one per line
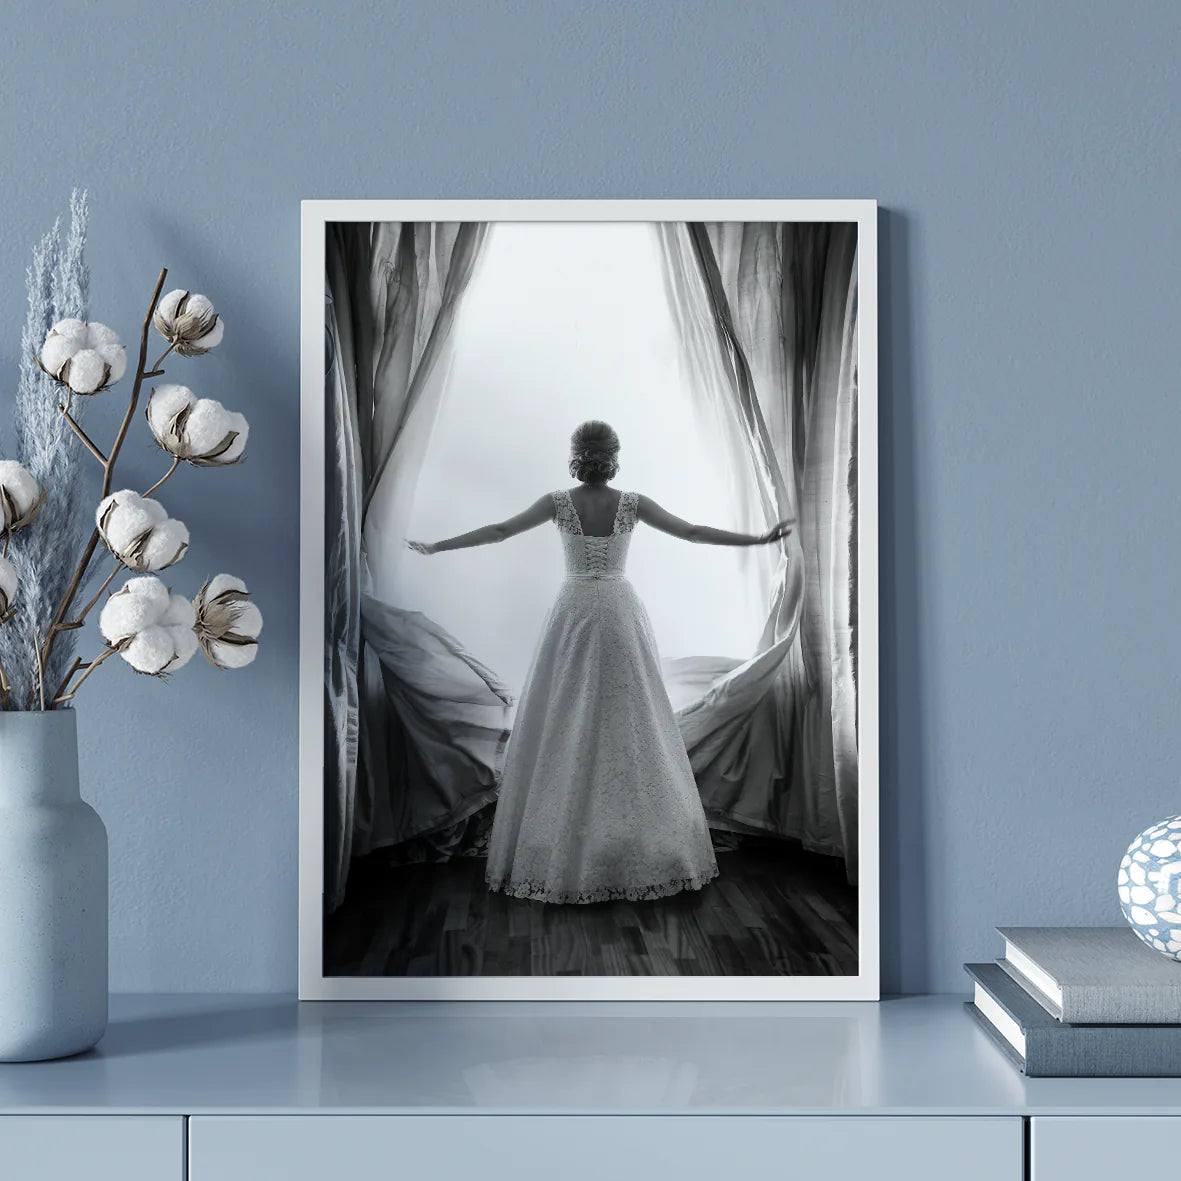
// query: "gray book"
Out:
[1045,1048]
[1094,975]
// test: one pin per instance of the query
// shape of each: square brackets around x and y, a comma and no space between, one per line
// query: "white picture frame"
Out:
[313,983]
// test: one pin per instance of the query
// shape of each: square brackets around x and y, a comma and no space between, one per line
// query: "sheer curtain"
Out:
[391,676]
[768,319]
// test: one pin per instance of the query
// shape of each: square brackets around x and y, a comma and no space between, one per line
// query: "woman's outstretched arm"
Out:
[540,511]
[652,514]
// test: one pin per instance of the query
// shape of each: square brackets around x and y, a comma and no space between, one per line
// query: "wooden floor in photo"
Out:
[769,913]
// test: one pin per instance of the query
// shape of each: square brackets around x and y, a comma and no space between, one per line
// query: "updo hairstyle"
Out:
[594,452]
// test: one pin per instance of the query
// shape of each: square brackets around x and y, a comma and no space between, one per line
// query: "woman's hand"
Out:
[421,547]
[776,533]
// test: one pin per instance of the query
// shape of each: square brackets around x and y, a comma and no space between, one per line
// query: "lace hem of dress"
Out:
[537,891]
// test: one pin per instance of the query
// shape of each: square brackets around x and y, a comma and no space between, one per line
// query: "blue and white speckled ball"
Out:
[1150,886]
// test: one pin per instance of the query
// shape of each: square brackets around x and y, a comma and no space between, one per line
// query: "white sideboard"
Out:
[263,1088]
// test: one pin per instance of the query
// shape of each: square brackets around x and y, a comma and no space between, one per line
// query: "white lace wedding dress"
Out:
[597,800]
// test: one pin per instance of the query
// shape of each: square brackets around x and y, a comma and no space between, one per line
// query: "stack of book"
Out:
[1083,1002]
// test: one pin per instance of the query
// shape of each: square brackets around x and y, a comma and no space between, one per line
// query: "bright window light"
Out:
[564,322]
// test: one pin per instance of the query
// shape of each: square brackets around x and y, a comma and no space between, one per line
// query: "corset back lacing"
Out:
[590,556]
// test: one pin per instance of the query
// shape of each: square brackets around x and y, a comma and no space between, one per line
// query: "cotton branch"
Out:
[80,619]
[164,477]
[141,373]
[89,667]
[86,439]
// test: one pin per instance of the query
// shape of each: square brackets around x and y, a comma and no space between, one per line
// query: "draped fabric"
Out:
[767,315]
[342,588]
[391,771]
[444,731]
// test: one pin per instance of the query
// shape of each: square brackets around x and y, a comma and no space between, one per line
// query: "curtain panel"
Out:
[767,315]
[392,294]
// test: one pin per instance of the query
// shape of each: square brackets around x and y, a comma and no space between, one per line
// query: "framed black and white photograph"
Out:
[589,651]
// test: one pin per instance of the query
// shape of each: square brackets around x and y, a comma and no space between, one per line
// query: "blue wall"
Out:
[1025,157]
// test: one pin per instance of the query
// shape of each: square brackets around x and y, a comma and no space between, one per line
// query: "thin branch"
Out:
[46,648]
[175,465]
[78,663]
[71,592]
[7,539]
[140,373]
[89,669]
[5,688]
[86,439]
[81,616]
[156,370]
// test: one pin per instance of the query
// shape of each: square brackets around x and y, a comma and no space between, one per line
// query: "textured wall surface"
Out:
[1026,162]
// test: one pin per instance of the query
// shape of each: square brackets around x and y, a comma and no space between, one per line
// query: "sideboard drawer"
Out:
[91,1148]
[594,1148]
[1099,1148]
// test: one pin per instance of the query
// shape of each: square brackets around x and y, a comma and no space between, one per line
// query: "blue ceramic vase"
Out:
[53,893]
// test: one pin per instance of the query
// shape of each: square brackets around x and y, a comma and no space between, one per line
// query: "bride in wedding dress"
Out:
[597,800]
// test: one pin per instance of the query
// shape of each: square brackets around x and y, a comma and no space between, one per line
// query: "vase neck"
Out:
[38,758]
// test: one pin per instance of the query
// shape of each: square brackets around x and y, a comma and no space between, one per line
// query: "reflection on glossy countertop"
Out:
[192,1054]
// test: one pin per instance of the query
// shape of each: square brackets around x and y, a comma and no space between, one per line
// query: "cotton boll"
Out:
[201,437]
[84,356]
[180,613]
[65,338]
[99,335]
[151,651]
[248,621]
[166,402]
[124,517]
[233,655]
[139,532]
[74,329]
[20,486]
[148,586]
[210,425]
[179,620]
[8,584]
[55,352]
[188,322]
[228,623]
[105,341]
[166,545]
[140,603]
[166,308]
[200,307]
[86,371]
[241,429]
[207,426]
[220,583]
[150,628]
[7,579]
[210,340]
[122,616]
[114,356]
[184,643]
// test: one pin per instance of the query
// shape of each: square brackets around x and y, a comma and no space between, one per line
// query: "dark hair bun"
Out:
[594,452]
